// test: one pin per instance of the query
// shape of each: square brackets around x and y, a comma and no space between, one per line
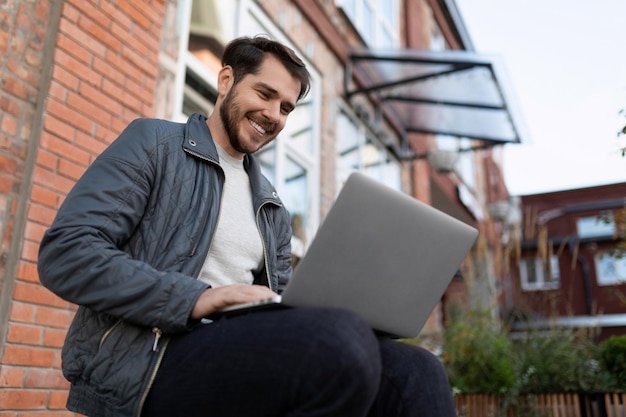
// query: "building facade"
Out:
[571,267]
[384,101]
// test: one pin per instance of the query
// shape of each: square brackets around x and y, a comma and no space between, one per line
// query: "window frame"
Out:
[540,270]
[355,12]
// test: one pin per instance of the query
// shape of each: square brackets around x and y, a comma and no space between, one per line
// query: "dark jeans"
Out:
[296,362]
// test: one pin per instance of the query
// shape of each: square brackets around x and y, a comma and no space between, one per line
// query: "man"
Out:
[174,222]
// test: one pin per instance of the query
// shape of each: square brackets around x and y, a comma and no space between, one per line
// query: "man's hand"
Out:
[215,299]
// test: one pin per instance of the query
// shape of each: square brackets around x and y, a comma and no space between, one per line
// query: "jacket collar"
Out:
[199,141]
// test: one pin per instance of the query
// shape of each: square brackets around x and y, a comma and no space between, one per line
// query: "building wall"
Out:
[103,74]
[550,219]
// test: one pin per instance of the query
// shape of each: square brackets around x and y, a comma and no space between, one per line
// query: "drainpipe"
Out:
[586,277]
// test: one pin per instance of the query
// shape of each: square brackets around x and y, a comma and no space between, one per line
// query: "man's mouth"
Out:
[257,127]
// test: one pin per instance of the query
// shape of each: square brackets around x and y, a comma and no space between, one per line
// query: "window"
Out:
[610,269]
[535,274]
[594,227]
[376,21]
[437,40]
[359,150]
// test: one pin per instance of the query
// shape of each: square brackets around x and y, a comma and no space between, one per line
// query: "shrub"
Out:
[477,355]
[557,360]
[612,360]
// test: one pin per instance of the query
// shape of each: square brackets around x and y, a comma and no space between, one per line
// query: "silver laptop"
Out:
[382,254]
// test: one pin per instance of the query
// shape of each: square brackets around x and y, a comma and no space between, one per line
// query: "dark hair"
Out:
[245,55]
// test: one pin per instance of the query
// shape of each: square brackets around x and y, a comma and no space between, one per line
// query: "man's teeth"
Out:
[257,127]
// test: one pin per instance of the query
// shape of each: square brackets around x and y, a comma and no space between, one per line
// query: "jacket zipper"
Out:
[157,335]
[258,225]
[107,333]
[155,369]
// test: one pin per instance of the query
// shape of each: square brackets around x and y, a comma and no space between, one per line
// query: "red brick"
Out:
[58,399]
[108,71]
[92,144]
[6,184]
[8,165]
[75,49]
[65,78]
[10,105]
[75,67]
[71,117]
[23,19]
[70,12]
[140,91]
[47,160]
[11,376]
[53,181]
[40,214]
[49,414]
[36,294]
[20,89]
[57,91]
[4,43]
[42,11]
[22,312]
[44,196]
[59,128]
[64,149]
[95,31]
[54,337]
[33,58]
[27,271]
[138,40]
[96,13]
[125,66]
[25,73]
[108,97]
[106,135]
[87,105]
[9,124]
[24,334]
[30,250]
[70,169]
[136,15]
[113,13]
[22,400]
[53,317]
[45,378]
[27,356]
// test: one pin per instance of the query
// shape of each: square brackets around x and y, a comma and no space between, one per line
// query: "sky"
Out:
[566,66]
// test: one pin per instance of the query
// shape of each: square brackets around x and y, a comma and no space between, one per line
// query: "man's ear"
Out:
[225,80]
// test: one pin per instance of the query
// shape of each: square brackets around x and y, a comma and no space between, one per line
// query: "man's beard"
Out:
[228,110]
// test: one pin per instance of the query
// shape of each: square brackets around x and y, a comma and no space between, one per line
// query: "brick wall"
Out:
[101,74]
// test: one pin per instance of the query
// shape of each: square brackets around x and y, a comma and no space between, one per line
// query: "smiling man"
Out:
[174,221]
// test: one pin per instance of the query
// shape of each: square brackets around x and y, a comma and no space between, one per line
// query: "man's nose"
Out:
[272,112]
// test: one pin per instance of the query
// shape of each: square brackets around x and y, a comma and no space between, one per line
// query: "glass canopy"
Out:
[452,92]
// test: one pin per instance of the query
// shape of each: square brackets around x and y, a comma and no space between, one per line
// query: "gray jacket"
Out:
[127,245]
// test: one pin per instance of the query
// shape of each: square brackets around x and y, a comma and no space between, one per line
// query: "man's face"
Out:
[255,110]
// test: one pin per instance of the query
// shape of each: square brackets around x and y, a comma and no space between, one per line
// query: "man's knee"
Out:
[344,341]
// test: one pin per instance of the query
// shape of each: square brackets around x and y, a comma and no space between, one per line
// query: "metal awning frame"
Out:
[453,62]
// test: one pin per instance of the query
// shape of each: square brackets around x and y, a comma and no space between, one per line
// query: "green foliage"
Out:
[612,359]
[482,357]
[558,360]
[477,356]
